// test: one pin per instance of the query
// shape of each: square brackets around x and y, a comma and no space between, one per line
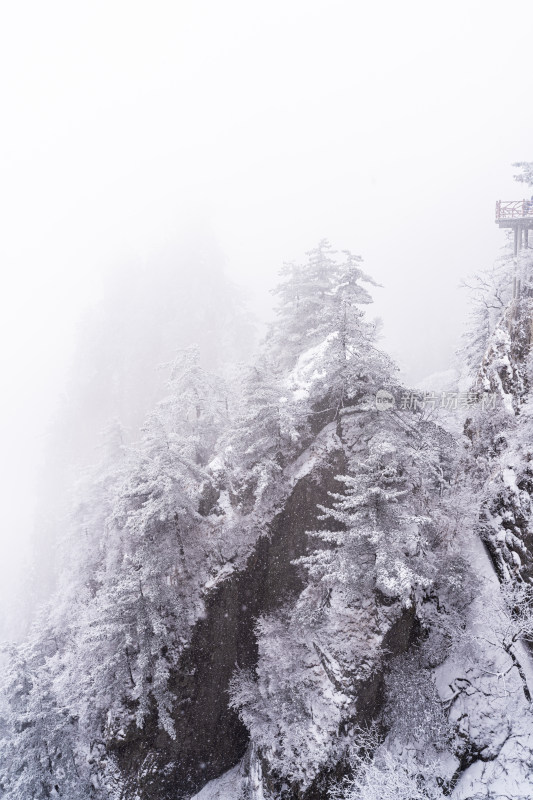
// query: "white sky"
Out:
[388,127]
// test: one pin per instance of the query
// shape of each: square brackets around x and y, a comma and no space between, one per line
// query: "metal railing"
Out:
[514,209]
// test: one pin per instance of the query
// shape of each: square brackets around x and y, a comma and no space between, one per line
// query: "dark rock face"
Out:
[513,512]
[210,737]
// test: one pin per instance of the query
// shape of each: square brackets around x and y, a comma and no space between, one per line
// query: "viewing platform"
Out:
[516,214]
[510,213]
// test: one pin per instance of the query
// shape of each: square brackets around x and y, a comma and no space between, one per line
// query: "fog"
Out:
[389,128]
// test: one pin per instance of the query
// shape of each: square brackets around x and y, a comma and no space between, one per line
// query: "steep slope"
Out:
[282,592]
[209,735]
[471,735]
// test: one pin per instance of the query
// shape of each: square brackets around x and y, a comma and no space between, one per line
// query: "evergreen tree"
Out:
[316,300]
[135,564]
[373,564]
[526,174]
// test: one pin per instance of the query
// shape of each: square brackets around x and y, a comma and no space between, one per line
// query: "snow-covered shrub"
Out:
[414,714]
[378,774]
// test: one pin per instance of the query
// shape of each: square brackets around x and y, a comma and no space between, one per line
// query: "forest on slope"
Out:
[301,581]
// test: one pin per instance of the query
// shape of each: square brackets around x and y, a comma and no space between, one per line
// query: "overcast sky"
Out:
[388,127]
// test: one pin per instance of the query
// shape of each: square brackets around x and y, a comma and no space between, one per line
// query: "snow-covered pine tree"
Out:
[196,407]
[98,667]
[260,422]
[373,572]
[526,174]
[378,535]
[42,753]
[324,339]
[309,367]
[300,306]
[490,294]
[51,731]
[315,301]
[318,657]
[156,565]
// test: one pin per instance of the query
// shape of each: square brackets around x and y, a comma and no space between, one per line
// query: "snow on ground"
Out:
[490,709]
[228,787]
[326,441]
[306,371]
[243,782]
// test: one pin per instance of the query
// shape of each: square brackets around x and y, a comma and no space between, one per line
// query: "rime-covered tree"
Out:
[526,174]
[148,598]
[322,340]
[319,355]
[139,552]
[301,295]
[260,432]
[318,299]
[371,561]
[196,407]
[41,754]
[379,536]
[373,564]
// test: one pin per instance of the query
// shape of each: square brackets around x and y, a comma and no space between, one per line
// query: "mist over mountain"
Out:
[150,311]
[266,347]
[280,585]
